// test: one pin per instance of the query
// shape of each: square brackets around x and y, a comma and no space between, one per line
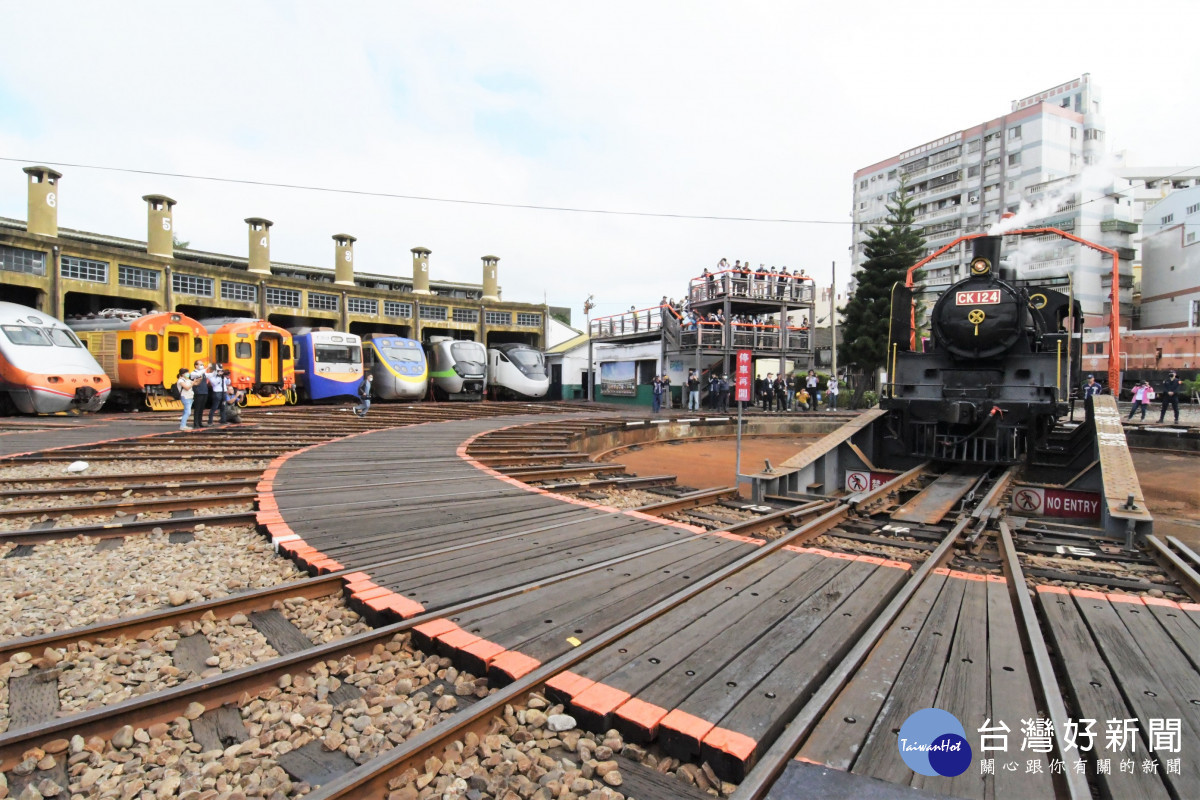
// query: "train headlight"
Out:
[981,266]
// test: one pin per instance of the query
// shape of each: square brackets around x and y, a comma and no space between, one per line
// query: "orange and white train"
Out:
[44,368]
[258,356]
[142,355]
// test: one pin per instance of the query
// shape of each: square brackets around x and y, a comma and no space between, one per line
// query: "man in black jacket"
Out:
[1170,397]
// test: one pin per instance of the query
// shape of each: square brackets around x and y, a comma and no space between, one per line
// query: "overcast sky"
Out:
[727,109]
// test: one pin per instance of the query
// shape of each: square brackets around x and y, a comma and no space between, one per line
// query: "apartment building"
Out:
[1044,161]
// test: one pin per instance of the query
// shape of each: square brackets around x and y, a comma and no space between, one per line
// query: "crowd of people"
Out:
[207,386]
[796,392]
[742,281]
[1144,394]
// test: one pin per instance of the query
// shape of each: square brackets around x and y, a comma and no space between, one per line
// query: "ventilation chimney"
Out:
[421,270]
[260,245]
[43,200]
[343,269]
[160,234]
[489,278]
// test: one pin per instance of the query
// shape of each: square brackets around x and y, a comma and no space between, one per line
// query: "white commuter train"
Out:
[517,371]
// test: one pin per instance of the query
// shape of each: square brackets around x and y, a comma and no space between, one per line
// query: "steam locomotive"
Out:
[994,377]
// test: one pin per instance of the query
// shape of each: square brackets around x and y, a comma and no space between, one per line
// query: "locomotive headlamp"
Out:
[981,266]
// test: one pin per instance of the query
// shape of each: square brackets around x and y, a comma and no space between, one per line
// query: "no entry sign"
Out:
[1038,502]
[864,480]
[744,377]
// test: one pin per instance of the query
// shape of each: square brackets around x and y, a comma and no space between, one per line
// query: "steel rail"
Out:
[141,504]
[152,488]
[255,600]
[371,779]
[690,500]
[1183,573]
[108,530]
[1035,644]
[229,687]
[170,478]
[767,520]
[769,766]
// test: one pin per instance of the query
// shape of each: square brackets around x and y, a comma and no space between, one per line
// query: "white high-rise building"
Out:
[1045,162]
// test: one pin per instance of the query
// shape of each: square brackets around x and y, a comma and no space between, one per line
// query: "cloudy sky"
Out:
[753,110]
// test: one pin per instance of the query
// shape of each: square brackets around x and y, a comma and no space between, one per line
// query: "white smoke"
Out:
[1088,186]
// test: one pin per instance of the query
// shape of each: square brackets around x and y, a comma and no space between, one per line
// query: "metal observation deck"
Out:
[727,295]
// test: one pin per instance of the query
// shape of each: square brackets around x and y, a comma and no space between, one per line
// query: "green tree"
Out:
[890,249]
[179,243]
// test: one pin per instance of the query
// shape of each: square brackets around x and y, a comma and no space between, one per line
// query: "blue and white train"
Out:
[517,371]
[329,365]
[398,366]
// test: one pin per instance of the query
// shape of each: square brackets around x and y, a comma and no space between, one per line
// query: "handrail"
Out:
[753,273]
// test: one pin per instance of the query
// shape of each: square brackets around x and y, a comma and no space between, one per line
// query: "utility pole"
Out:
[833,317]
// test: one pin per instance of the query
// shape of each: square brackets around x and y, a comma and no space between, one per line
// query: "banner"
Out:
[618,378]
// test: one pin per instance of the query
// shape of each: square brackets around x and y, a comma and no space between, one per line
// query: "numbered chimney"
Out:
[490,279]
[160,233]
[343,269]
[260,245]
[43,200]
[421,270]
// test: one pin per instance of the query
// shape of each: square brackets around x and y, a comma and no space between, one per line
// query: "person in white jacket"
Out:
[1142,395]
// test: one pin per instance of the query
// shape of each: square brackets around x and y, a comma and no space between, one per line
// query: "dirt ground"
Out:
[1169,481]
[1172,491]
[710,463]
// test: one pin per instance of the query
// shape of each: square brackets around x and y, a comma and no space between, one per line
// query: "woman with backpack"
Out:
[364,394]
[183,386]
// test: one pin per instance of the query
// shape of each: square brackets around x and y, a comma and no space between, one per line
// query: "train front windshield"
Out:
[469,352]
[337,354]
[530,362]
[402,355]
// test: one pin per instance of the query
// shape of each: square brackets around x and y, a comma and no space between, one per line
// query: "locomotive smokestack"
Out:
[987,247]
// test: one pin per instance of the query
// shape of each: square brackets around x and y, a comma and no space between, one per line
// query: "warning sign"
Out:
[1056,503]
[862,481]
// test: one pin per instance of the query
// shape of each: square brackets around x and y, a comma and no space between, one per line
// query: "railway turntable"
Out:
[791,661]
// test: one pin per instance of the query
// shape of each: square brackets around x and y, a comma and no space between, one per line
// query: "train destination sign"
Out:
[985,297]
[1034,501]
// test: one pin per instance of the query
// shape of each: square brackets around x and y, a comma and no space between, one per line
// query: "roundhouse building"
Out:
[71,273]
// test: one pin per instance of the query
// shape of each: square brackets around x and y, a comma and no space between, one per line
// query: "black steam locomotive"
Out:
[995,375]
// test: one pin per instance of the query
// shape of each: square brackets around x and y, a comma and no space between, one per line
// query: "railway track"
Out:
[635,613]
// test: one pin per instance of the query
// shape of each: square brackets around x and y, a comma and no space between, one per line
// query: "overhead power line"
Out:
[491,203]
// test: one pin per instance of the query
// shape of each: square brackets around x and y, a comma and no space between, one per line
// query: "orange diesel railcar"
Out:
[258,356]
[143,355]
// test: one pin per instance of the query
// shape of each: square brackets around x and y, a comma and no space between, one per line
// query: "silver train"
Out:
[457,368]
[44,368]
[398,366]
[517,371]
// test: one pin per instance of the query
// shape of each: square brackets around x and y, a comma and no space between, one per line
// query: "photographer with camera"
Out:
[216,392]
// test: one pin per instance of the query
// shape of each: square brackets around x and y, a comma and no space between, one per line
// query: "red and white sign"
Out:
[862,480]
[988,297]
[743,384]
[1032,501]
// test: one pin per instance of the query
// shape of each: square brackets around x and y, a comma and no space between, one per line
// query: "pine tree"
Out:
[890,249]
